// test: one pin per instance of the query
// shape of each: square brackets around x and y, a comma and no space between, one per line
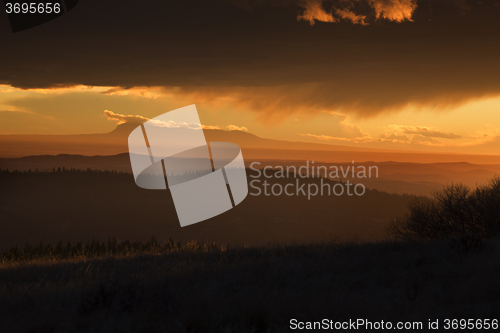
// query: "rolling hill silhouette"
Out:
[394,177]
[75,206]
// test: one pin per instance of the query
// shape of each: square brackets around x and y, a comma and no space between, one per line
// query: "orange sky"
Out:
[468,128]
[399,74]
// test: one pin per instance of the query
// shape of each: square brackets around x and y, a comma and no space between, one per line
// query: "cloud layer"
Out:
[255,55]
[424,131]
[121,118]
[357,11]
[137,119]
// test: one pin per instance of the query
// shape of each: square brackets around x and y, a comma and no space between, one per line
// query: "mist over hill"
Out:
[253,147]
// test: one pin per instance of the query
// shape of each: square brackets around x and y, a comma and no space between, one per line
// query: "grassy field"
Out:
[194,287]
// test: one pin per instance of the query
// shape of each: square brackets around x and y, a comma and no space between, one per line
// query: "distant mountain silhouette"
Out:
[253,147]
[115,142]
[248,140]
[123,130]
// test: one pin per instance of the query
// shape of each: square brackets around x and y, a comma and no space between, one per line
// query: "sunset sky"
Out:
[396,74]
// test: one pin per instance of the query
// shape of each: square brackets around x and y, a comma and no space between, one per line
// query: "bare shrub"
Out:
[456,211]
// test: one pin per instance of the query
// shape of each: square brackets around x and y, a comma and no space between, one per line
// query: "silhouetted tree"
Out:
[456,211]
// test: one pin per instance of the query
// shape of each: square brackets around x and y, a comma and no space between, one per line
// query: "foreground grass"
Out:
[97,250]
[200,288]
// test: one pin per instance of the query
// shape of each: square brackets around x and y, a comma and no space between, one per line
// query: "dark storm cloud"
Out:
[447,52]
